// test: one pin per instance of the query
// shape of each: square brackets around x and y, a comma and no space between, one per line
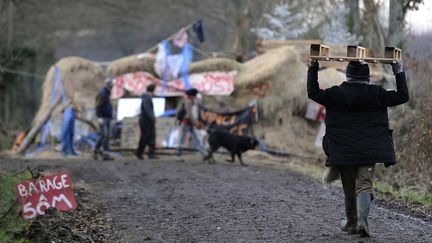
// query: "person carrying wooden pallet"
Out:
[357,134]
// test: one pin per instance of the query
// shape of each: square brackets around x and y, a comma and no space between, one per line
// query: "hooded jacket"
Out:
[357,125]
[103,103]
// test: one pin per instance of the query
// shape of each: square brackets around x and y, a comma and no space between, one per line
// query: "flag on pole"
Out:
[199,30]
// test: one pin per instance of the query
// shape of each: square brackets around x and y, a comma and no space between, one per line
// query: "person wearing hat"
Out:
[147,123]
[357,134]
[104,114]
[189,124]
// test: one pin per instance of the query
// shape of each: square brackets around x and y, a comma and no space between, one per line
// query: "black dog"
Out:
[235,144]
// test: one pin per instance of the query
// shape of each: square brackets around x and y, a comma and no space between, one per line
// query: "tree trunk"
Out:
[355,21]
[10,25]
[374,33]
[397,23]
[241,35]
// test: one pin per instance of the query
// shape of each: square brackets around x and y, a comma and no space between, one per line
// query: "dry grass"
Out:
[214,64]
[412,125]
[412,137]
[330,77]
[132,64]
[81,79]
[285,75]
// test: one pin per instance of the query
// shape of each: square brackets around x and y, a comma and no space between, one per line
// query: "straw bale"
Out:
[214,64]
[81,80]
[281,72]
[132,64]
[330,77]
[295,136]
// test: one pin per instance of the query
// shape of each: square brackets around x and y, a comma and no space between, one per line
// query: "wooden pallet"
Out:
[354,53]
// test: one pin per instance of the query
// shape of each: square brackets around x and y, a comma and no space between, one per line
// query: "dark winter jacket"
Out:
[147,113]
[357,126]
[103,103]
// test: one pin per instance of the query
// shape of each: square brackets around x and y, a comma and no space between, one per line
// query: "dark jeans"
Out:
[104,135]
[147,137]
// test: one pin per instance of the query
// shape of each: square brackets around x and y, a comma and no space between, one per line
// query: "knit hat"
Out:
[357,70]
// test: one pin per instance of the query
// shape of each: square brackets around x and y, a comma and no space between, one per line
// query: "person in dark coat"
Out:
[357,133]
[104,114]
[147,123]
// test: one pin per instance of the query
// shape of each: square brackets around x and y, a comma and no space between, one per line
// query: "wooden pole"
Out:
[168,39]
[36,128]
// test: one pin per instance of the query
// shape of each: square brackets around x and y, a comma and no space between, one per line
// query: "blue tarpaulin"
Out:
[56,90]
[187,59]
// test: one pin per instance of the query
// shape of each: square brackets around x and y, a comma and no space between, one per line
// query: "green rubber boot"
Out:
[350,224]
[364,200]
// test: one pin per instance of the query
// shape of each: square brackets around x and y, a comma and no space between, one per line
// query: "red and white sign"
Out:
[36,196]
[315,111]
[208,83]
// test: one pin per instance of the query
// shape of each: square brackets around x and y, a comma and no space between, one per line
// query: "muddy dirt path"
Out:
[167,201]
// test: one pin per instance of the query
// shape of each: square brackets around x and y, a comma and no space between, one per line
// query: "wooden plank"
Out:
[349,59]
[130,133]
[356,51]
[392,52]
[319,50]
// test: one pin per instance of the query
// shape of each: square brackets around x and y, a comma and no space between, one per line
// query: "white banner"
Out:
[208,83]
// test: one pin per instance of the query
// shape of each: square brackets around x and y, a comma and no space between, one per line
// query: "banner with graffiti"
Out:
[208,83]
[238,122]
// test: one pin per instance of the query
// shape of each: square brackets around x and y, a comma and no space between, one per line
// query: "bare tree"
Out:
[354,20]
[374,37]
[398,9]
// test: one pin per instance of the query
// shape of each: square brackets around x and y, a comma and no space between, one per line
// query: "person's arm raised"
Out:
[401,95]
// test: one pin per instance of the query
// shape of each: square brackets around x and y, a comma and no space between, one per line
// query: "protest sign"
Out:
[315,111]
[237,122]
[37,195]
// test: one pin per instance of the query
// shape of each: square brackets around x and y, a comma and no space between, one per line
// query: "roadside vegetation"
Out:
[11,223]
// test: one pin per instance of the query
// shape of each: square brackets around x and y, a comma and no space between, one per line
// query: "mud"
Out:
[166,201]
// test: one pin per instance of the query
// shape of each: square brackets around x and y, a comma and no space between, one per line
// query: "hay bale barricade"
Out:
[214,64]
[132,64]
[277,78]
[81,78]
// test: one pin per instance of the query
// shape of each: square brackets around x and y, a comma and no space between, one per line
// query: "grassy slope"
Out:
[12,223]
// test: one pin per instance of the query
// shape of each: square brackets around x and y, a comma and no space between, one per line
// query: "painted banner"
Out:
[208,83]
[53,191]
[237,122]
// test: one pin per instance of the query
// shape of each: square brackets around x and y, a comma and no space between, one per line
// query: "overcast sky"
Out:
[421,20]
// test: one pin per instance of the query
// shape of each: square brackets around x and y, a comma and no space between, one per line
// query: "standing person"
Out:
[189,123]
[104,114]
[357,134]
[147,123]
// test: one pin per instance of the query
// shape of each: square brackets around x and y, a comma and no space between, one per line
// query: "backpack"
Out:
[181,112]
